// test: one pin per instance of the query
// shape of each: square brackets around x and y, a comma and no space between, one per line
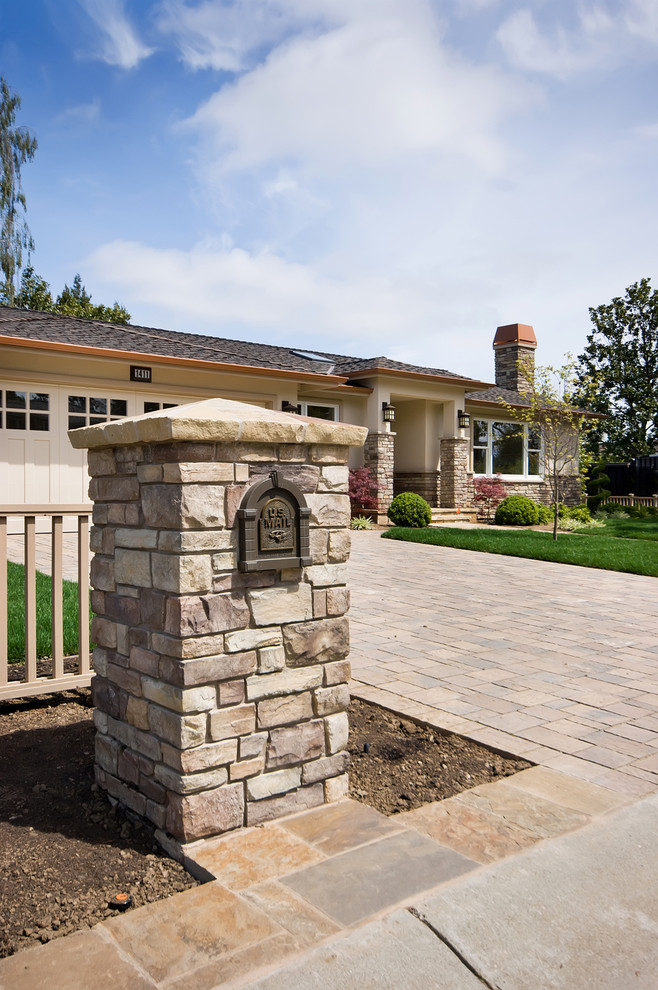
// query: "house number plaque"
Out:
[273,519]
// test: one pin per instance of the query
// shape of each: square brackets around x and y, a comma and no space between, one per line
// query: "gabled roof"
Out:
[76,332]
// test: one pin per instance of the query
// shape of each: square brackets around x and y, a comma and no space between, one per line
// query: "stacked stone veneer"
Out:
[540,491]
[456,490]
[378,455]
[427,484]
[220,696]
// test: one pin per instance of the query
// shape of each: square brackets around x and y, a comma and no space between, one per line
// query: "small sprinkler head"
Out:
[366,747]
[121,901]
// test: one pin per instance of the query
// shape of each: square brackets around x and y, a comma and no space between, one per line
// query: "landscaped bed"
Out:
[587,549]
[65,852]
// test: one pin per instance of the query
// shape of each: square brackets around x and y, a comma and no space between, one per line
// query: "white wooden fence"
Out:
[56,678]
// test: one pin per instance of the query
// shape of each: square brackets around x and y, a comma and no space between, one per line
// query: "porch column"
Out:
[454,473]
[378,456]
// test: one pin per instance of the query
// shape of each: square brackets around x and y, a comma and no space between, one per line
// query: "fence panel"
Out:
[57,672]
[650,502]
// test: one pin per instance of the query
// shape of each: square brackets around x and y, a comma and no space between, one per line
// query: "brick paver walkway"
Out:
[555,663]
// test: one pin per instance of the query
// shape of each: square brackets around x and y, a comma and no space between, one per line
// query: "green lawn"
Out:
[627,529]
[16,608]
[636,556]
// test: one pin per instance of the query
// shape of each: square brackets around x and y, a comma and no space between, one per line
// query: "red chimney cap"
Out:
[515,333]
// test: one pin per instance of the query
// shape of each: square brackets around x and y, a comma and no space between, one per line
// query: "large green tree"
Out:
[622,356]
[73,300]
[17,146]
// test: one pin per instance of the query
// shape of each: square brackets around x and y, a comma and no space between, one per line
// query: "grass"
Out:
[16,609]
[598,549]
[627,529]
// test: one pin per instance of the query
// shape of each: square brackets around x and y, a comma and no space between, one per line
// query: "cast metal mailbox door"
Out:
[274,523]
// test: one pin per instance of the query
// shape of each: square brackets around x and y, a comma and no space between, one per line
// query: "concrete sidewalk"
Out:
[341,896]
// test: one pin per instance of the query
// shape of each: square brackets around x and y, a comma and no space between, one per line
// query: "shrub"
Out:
[596,485]
[517,510]
[361,489]
[579,512]
[361,522]
[545,514]
[573,525]
[409,509]
[488,491]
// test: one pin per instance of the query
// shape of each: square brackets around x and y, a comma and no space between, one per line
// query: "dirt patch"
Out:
[397,765]
[65,851]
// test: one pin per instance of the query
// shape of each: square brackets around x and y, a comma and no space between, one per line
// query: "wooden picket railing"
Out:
[57,678]
[651,501]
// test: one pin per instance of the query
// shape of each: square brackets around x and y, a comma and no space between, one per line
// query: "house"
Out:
[429,429]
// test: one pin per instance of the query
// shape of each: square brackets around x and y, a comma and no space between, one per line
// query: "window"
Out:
[509,449]
[319,410]
[154,406]
[89,410]
[25,410]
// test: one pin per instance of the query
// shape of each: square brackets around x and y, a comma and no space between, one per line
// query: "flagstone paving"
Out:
[555,663]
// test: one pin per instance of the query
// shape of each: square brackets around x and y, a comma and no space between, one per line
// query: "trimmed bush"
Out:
[579,512]
[409,509]
[544,513]
[517,510]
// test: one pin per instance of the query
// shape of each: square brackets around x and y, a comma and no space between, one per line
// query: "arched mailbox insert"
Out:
[273,518]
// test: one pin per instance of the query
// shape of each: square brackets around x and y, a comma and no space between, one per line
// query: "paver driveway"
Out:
[555,663]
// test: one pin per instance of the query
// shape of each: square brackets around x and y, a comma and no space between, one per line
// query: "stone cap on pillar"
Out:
[218,420]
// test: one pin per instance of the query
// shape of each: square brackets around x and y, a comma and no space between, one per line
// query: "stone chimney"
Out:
[514,346]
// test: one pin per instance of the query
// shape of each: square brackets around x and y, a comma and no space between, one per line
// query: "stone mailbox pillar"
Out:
[220,688]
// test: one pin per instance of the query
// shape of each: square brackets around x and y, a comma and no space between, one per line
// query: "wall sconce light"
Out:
[464,420]
[388,412]
[289,407]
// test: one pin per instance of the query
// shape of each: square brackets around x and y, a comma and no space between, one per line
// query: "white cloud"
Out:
[649,131]
[82,114]
[222,36]
[119,43]
[231,287]
[528,45]
[379,87]
[642,20]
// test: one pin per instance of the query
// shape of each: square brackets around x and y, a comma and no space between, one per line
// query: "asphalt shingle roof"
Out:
[52,327]
[496,394]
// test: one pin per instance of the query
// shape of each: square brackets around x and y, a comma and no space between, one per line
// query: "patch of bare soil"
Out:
[398,765]
[66,852]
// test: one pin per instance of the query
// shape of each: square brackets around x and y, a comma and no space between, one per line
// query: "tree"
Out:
[361,488]
[549,406]
[489,491]
[622,353]
[34,292]
[74,300]
[597,480]
[17,146]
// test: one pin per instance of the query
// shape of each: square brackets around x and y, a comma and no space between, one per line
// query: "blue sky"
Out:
[368,176]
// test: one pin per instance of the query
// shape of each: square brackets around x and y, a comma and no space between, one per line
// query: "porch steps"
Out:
[443,517]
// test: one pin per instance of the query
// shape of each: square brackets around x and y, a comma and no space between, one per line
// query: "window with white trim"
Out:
[512,450]
[89,410]
[319,410]
[25,410]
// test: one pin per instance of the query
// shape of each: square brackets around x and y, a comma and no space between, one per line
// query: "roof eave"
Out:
[418,375]
[113,354]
